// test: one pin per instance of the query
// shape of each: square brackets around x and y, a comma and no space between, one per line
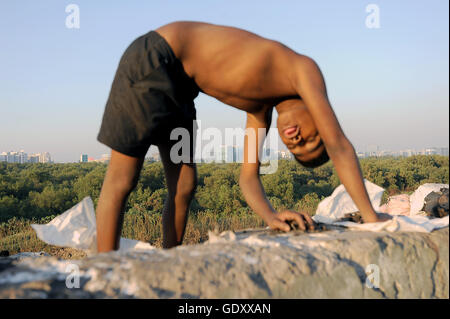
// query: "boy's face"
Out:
[298,131]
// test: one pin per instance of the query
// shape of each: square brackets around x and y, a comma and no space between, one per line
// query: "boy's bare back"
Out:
[235,66]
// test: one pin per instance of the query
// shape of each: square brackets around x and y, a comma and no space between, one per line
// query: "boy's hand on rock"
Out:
[382,217]
[282,220]
[379,217]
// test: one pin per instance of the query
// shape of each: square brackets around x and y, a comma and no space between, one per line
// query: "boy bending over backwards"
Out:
[158,77]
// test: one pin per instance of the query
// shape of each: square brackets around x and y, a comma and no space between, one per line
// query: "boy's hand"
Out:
[377,217]
[382,217]
[279,220]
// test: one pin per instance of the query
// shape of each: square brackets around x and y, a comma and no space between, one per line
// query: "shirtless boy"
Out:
[158,78]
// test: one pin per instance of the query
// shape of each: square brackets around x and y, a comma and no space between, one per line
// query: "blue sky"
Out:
[388,86]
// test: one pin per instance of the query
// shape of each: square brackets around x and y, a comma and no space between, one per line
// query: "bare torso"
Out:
[234,66]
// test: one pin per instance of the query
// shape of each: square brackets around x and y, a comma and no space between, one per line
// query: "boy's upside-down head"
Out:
[299,133]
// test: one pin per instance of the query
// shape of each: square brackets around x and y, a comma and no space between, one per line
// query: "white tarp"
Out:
[340,203]
[76,228]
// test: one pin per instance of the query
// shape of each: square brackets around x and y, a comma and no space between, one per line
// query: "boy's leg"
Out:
[181,182]
[121,178]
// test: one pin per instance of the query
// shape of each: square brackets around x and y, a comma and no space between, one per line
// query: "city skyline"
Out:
[387,85]
[270,154]
[368,150]
[22,157]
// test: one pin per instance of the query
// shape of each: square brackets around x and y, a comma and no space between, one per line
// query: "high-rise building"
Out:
[443,151]
[22,157]
[239,154]
[11,157]
[83,158]
[105,158]
[372,150]
[268,154]
[227,154]
[155,157]
[408,152]
[361,154]
[45,158]
[33,158]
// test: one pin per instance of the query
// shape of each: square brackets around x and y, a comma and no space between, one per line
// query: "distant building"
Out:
[11,157]
[105,158]
[269,154]
[436,151]
[443,151]
[385,153]
[33,158]
[227,154]
[284,155]
[239,154]
[45,158]
[83,158]
[22,157]
[266,154]
[372,150]
[407,153]
[155,157]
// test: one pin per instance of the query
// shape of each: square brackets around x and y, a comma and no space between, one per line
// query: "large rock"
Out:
[249,264]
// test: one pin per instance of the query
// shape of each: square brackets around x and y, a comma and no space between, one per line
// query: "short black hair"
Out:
[318,161]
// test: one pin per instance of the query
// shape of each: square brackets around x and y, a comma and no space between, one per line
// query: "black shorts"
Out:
[151,94]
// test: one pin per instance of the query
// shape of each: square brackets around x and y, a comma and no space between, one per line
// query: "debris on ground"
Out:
[436,203]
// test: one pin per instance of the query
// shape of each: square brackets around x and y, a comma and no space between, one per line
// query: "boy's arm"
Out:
[250,182]
[310,86]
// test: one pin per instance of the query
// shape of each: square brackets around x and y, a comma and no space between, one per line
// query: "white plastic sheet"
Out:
[340,203]
[76,228]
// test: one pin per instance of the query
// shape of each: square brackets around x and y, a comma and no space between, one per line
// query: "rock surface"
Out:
[248,264]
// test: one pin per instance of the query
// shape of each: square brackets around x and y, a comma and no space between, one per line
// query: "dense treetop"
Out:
[39,190]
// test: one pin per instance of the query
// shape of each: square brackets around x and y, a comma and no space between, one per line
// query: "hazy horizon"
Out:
[388,86]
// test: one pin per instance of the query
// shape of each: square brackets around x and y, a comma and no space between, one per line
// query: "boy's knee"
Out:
[123,184]
[123,173]
[185,189]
